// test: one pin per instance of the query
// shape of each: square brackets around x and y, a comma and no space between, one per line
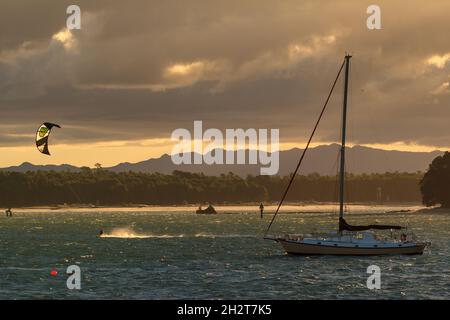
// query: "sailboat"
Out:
[348,239]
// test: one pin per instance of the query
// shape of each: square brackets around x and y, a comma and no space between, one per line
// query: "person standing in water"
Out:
[8,212]
[261,209]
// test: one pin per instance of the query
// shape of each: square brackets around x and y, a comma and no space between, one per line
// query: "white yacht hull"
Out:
[301,248]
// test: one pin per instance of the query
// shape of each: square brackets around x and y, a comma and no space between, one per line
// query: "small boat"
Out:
[209,210]
[348,239]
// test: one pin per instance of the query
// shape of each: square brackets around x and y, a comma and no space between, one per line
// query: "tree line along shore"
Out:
[103,187]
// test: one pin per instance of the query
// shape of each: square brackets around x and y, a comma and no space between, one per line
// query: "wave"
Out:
[207,235]
[123,233]
[129,233]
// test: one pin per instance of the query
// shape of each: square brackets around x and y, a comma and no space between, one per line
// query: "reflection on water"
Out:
[156,253]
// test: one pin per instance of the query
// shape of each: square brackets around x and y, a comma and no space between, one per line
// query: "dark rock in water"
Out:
[209,210]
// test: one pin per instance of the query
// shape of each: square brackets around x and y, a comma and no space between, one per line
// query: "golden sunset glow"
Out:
[65,37]
[120,85]
[439,61]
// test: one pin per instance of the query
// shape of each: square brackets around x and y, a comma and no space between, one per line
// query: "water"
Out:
[172,253]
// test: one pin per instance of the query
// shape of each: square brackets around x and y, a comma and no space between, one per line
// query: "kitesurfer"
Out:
[261,209]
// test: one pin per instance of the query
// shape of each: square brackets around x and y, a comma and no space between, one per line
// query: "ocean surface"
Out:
[172,253]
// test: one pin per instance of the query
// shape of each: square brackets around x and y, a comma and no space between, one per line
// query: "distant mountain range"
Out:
[322,159]
[26,166]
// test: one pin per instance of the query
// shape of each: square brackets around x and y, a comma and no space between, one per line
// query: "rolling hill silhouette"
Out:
[322,159]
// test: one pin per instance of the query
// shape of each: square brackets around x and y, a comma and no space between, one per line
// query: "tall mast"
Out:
[344,126]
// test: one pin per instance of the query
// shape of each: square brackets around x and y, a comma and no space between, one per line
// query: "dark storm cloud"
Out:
[140,69]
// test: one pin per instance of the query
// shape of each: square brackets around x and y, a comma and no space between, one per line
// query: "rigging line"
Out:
[306,148]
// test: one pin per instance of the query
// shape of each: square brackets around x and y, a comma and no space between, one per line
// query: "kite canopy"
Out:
[42,135]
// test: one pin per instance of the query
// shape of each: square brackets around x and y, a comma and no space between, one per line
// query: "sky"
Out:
[137,70]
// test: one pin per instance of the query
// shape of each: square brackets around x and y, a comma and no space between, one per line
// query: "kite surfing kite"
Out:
[42,135]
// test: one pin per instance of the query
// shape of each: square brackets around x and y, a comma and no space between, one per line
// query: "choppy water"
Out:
[171,253]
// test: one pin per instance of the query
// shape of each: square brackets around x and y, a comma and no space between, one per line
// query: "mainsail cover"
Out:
[344,226]
[42,135]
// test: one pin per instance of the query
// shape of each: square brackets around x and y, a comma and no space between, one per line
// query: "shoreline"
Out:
[291,207]
[222,205]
